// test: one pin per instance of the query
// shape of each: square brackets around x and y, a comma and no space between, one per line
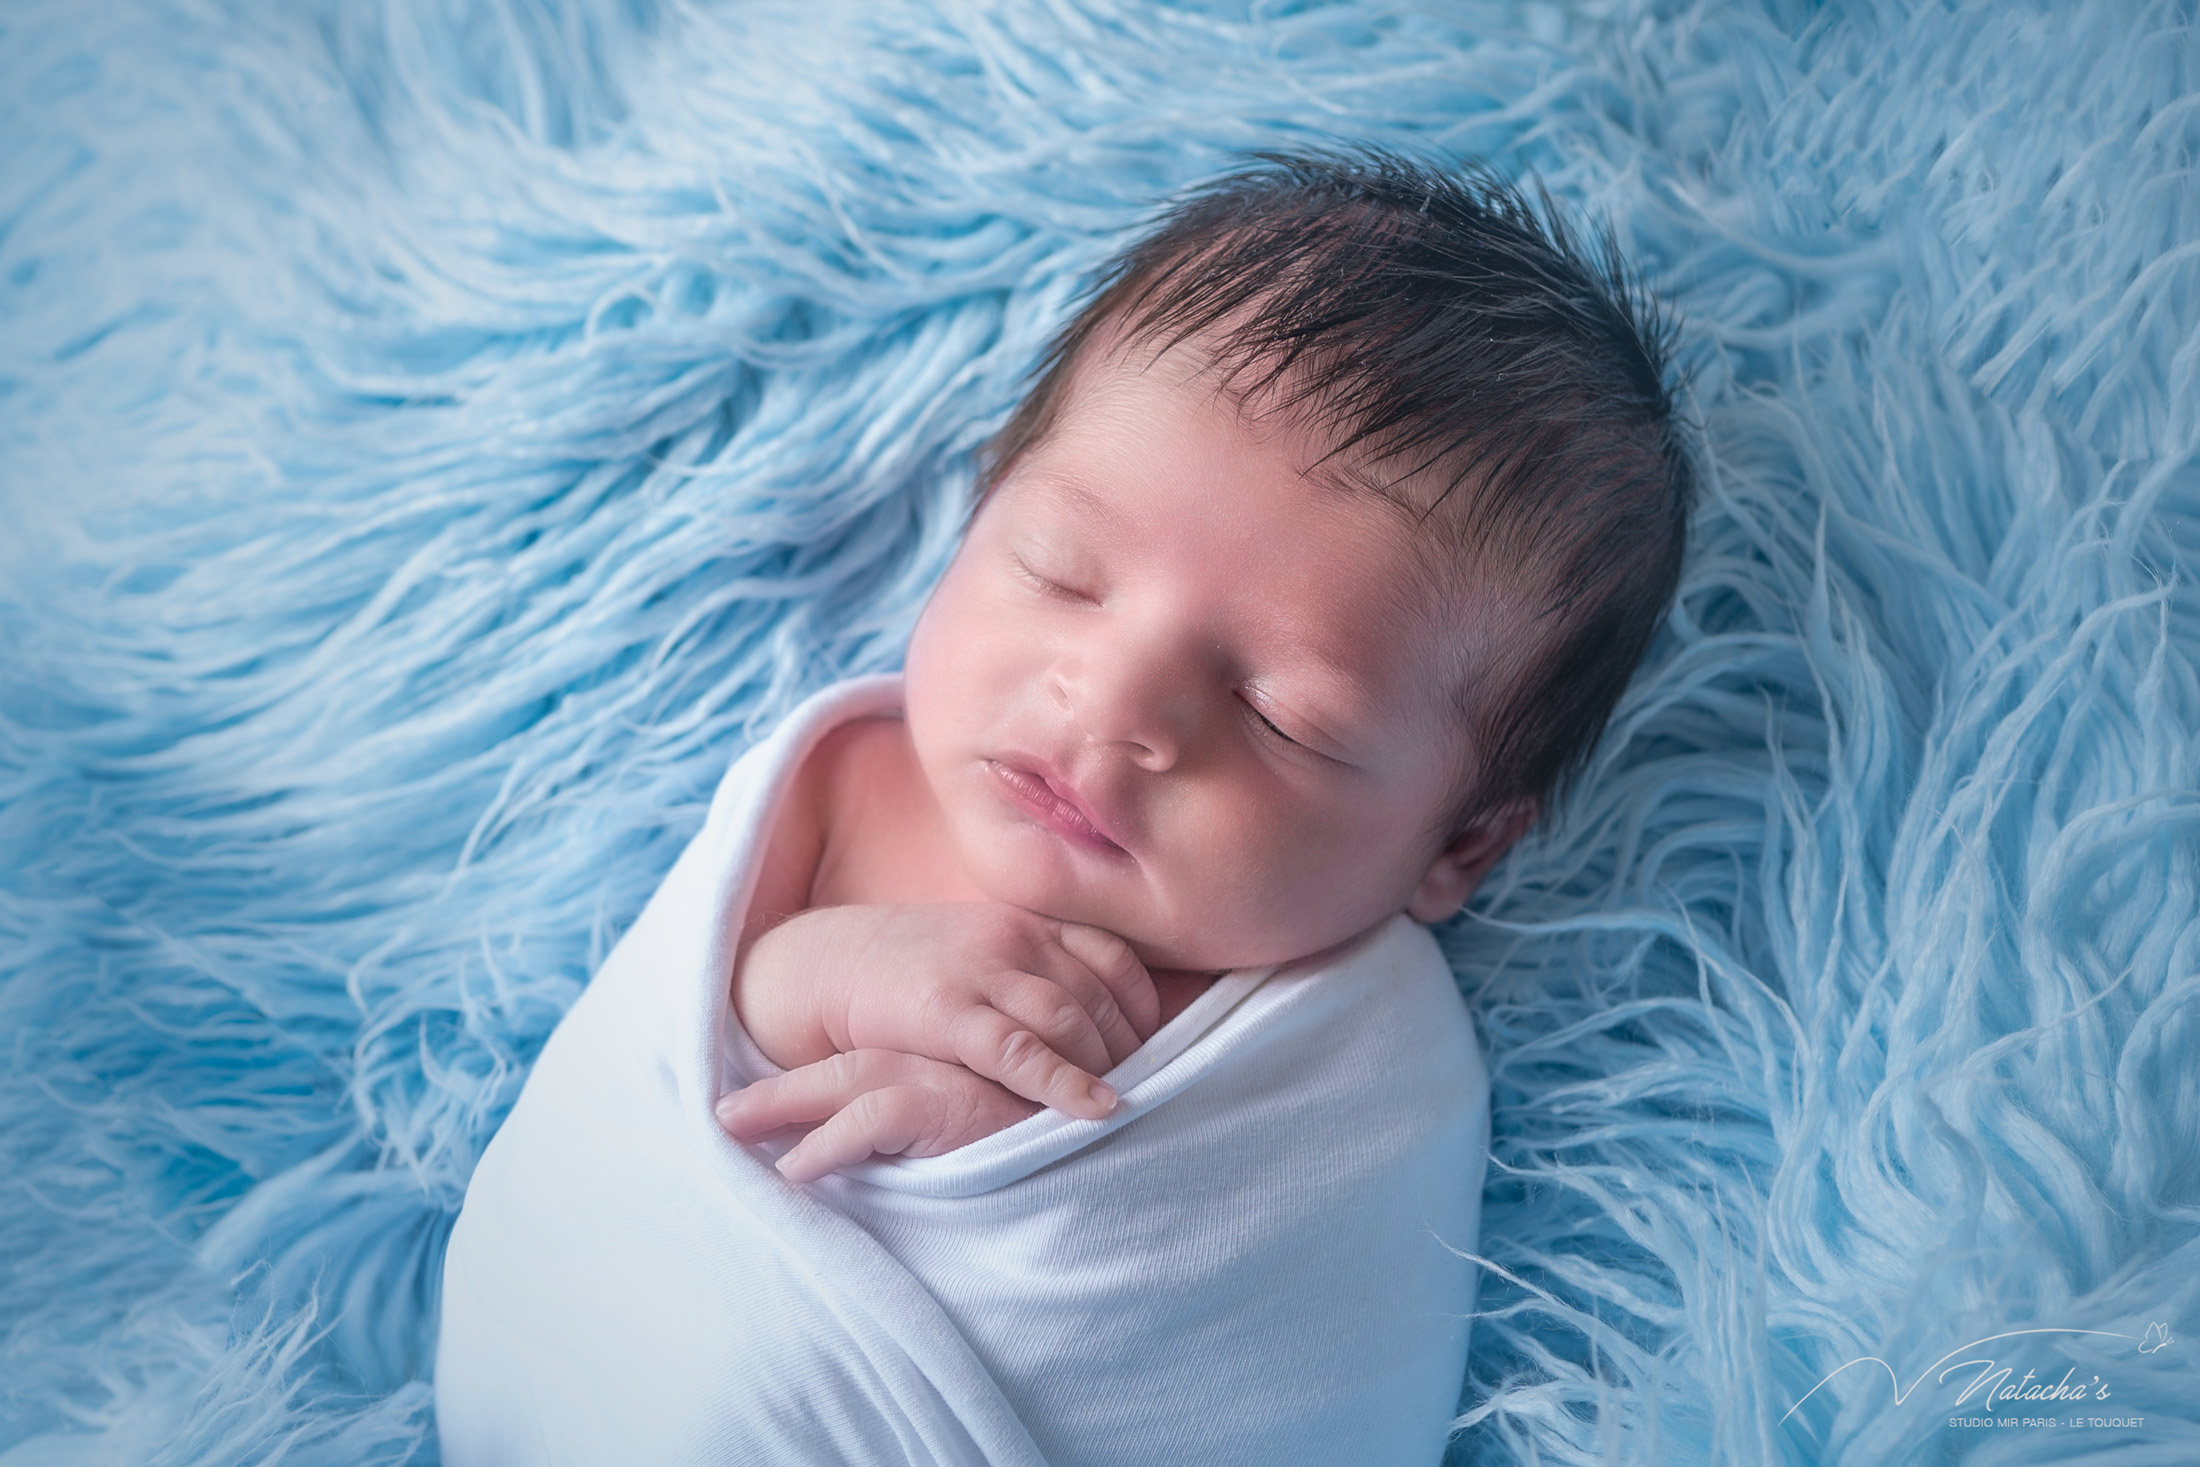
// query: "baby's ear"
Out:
[1459,868]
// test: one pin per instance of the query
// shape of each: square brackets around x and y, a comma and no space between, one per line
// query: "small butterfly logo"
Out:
[2157,1336]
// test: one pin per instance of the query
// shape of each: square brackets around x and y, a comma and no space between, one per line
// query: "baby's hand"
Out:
[1041,1006]
[871,1101]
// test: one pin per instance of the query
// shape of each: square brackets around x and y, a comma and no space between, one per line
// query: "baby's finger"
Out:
[802,1096]
[1072,976]
[886,1121]
[989,1043]
[1053,1012]
[1110,959]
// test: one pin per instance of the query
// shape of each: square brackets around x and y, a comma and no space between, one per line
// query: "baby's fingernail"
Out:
[1103,1097]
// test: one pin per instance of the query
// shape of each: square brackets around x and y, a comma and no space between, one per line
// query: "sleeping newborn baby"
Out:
[1039,1057]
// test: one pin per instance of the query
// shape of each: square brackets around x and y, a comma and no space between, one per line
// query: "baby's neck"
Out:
[886,841]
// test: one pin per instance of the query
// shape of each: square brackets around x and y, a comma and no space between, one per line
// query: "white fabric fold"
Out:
[1251,1261]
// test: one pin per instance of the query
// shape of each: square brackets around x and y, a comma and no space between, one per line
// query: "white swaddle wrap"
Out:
[1246,1263]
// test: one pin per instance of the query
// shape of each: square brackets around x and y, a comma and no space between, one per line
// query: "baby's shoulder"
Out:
[856,772]
[825,783]
[862,752]
[883,837]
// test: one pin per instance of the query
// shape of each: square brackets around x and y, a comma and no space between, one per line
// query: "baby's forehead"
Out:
[1276,403]
[1431,500]
[1439,489]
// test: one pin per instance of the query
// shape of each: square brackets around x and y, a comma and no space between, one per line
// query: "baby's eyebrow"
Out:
[1080,496]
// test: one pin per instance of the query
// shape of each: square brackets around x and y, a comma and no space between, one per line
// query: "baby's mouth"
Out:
[1052,805]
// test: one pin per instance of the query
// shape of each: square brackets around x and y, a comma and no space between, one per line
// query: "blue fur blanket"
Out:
[436,435]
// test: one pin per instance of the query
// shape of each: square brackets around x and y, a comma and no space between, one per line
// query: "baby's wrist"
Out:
[781,998]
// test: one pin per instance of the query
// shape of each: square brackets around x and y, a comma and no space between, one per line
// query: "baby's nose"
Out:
[1146,711]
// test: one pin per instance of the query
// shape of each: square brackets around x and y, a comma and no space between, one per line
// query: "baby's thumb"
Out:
[1110,959]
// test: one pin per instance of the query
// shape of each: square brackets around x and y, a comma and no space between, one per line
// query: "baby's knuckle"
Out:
[1021,1049]
[874,1111]
[920,1122]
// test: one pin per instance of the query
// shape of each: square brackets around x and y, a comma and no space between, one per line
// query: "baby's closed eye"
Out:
[1268,725]
[1052,585]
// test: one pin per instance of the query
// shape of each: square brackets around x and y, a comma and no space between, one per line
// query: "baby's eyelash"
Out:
[1044,583]
[1265,723]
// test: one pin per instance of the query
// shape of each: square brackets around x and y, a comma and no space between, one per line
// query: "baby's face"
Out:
[1173,688]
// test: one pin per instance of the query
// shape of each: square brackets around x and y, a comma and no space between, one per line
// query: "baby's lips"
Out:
[1097,821]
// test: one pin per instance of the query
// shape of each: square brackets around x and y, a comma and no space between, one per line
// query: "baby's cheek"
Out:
[1325,880]
[1253,876]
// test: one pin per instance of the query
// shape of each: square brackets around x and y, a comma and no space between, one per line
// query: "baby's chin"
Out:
[1012,864]
[1002,877]
[1214,945]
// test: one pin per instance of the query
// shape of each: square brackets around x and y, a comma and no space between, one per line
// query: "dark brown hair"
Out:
[1430,319]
